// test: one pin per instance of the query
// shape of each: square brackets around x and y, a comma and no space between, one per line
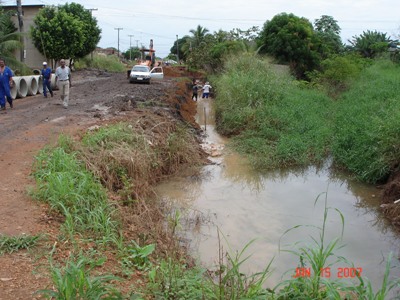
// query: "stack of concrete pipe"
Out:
[29,85]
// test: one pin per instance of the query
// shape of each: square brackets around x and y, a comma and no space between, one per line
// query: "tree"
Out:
[199,35]
[132,52]
[370,43]
[290,39]
[57,34]
[68,31]
[328,36]
[91,32]
[249,35]
[9,39]
[181,44]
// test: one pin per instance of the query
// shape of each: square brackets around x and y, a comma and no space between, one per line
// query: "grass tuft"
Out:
[10,244]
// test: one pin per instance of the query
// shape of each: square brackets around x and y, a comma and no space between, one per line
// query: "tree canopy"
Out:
[328,34]
[290,39]
[370,43]
[91,32]
[67,31]
[132,53]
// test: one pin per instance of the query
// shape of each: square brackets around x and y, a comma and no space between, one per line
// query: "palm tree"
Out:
[199,35]
[9,39]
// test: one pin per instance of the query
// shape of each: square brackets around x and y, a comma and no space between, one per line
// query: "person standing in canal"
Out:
[6,81]
[63,80]
[206,90]
[46,73]
[195,89]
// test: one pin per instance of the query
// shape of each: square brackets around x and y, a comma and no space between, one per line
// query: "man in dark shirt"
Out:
[46,73]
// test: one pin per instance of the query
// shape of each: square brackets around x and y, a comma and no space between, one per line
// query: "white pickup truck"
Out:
[141,73]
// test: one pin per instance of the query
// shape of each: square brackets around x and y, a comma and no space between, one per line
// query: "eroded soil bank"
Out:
[97,98]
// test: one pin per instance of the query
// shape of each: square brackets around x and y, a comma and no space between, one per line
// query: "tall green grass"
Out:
[279,123]
[72,191]
[110,63]
[367,122]
[273,120]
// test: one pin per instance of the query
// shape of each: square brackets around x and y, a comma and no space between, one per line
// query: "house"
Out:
[29,54]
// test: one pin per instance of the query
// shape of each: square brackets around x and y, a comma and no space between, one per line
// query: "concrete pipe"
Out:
[39,80]
[13,90]
[53,82]
[22,87]
[32,85]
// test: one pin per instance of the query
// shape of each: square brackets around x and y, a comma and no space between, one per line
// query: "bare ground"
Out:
[36,122]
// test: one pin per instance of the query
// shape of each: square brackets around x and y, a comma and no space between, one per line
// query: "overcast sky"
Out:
[163,20]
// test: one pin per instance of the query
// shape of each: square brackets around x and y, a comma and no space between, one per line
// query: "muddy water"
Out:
[247,205]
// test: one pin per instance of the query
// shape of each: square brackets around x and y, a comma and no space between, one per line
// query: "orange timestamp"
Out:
[346,272]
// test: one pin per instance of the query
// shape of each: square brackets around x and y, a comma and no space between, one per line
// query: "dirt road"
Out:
[33,123]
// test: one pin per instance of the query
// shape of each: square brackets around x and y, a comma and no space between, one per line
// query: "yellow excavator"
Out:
[148,56]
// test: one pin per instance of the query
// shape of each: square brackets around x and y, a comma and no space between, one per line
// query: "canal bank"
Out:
[243,205]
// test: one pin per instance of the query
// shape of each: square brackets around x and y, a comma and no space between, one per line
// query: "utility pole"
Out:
[91,10]
[21,29]
[177,49]
[130,46]
[119,28]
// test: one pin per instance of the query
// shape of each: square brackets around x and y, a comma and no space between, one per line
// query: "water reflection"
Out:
[245,204]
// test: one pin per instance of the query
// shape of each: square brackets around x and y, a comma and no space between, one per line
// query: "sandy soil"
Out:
[35,122]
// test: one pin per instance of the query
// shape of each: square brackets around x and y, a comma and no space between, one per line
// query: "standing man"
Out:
[46,73]
[195,89]
[6,81]
[206,90]
[63,80]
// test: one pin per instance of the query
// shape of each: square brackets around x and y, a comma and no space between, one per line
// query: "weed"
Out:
[174,280]
[10,244]
[317,257]
[229,282]
[137,257]
[74,282]
[174,221]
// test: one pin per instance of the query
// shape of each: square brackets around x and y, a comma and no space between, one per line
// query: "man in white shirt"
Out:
[206,90]
[63,81]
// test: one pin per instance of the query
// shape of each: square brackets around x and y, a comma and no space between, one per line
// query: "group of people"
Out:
[63,81]
[204,88]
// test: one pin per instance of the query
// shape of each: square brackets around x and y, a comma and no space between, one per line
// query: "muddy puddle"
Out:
[243,205]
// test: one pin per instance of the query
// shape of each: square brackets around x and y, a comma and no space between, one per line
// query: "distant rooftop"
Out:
[11,3]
